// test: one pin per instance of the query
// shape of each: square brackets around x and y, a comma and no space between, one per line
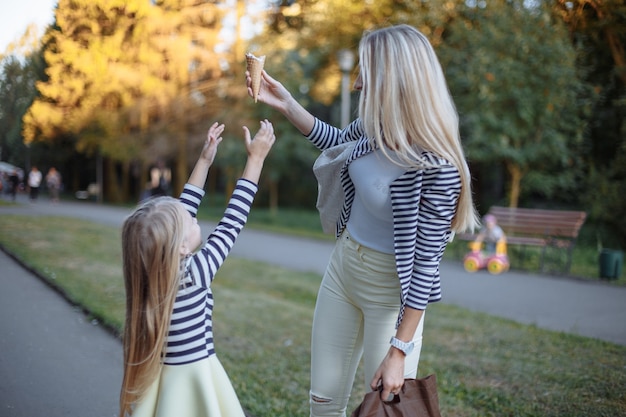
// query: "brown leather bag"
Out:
[418,398]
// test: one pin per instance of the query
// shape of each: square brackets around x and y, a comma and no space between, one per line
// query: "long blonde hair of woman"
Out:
[405,104]
[151,240]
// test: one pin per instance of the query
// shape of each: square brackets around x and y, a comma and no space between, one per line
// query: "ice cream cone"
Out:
[255,66]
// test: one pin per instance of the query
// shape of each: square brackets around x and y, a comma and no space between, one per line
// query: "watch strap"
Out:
[404,347]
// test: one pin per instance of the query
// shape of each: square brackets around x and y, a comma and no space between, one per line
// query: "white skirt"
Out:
[199,389]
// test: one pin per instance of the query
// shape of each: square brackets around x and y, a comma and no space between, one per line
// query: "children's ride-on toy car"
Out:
[495,263]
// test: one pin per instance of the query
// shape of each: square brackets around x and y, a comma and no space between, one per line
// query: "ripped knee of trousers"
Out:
[326,406]
[320,400]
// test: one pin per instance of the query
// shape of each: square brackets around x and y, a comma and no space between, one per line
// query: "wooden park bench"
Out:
[551,230]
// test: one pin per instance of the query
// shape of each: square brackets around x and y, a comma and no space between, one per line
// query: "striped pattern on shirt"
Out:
[190,336]
[424,203]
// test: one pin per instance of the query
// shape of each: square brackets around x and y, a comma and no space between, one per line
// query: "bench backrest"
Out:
[537,222]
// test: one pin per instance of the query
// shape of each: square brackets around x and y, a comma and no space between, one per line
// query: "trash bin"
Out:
[611,263]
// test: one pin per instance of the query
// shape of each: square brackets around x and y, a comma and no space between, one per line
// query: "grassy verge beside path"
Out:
[485,366]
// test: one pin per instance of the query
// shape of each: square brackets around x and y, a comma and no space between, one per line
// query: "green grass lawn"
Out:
[486,366]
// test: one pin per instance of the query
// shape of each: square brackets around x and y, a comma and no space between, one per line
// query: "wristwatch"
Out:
[404,347]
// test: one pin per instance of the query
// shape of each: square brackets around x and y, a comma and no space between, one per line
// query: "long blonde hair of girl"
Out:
[405,104]
[151,240]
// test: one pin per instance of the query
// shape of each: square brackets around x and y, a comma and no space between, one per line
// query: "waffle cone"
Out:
[255,67]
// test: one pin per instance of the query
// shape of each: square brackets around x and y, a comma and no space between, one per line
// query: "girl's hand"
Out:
[260,145]
[257,149]
[214,138]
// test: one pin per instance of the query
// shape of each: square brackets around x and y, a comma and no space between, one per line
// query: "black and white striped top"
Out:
[424,203]
[190,337]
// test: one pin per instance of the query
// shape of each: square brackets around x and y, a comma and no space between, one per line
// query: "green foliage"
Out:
[606,187]
[515,83]
[117,67]
[318,29]
[17,92]
[130,81]
[598,29]
[87,71]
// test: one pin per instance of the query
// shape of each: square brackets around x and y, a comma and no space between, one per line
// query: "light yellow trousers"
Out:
[355,316]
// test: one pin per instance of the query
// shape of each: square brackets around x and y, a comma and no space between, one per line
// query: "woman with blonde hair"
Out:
[407,190]
[170,365]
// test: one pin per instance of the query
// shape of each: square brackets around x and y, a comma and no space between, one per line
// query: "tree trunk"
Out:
[230,182]
[613,40]
[180,176]
[111,187]
[125,189]
[143,179]
[515,171]
[273,189]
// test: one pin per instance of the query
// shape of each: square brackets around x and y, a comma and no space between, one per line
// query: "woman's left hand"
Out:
[390,374]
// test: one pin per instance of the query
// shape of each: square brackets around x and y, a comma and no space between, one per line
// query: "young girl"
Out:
[170,365]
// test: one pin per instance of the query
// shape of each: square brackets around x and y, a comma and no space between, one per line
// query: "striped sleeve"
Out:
[325,136]
[218,245]
[191,197]
[441,188]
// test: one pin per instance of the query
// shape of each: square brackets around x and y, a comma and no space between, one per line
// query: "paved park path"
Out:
[55,362]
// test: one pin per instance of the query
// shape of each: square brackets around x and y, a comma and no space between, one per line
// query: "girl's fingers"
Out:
[246,134]
[215,131]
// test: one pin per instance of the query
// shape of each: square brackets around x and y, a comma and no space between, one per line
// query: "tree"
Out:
[16,94]
[517,89]
[22,66]
[120,77]
[185,34]
[598,29]
[89,77]
[469,38]
[302,42]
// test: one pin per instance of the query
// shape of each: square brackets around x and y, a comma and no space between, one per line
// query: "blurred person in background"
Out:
[34,182]
[53,182]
